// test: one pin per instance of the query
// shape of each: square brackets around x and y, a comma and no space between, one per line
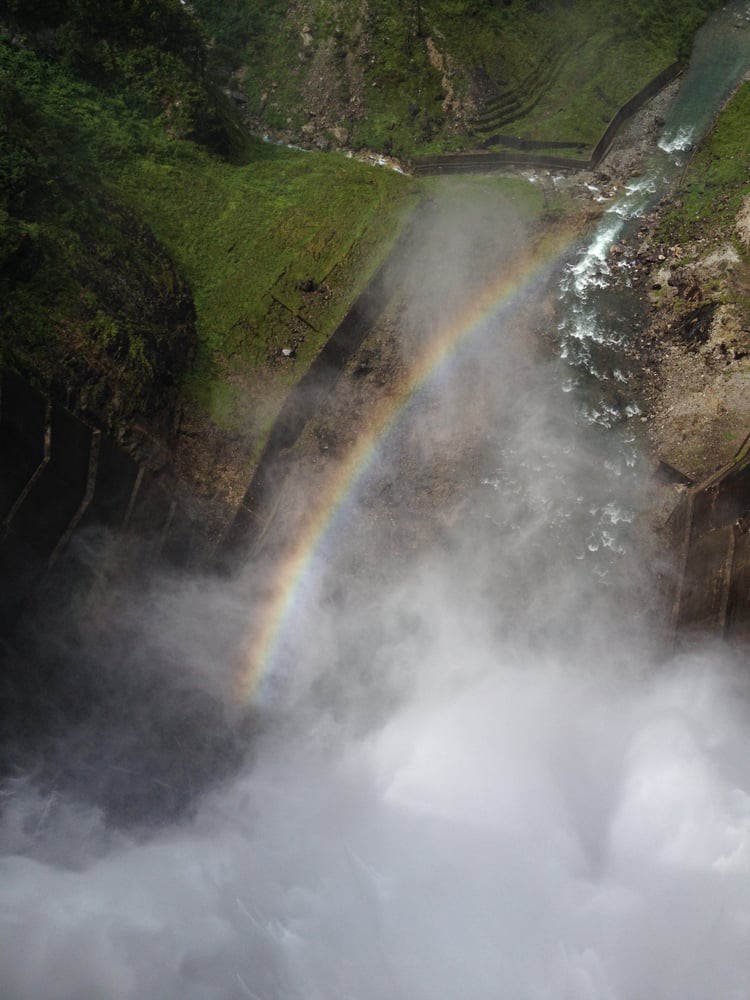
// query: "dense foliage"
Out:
[152,51]
[716,183]
[238,30]
[87,298]
[663,19]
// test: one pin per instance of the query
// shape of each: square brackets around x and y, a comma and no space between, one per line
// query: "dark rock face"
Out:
[114,326]
[132,365]
[23,258]
[696,326]
[98,717]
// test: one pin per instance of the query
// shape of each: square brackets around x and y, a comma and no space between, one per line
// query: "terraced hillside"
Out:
[507,105]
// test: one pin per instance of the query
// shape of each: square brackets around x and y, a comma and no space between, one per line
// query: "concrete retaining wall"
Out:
[480,161]
[58,477]
[712,528]
[532,144]
[659,82]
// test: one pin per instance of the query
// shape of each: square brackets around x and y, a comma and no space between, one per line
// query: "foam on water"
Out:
[548,833]
[677,141]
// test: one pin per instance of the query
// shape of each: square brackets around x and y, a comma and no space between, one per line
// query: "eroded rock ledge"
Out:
[695,348]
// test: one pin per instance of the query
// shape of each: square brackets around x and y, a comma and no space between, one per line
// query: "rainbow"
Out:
[294,569]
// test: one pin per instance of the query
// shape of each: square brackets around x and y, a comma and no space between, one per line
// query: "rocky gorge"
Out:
[688,268]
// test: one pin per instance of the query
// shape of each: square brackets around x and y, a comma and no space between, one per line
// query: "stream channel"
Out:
[455,763]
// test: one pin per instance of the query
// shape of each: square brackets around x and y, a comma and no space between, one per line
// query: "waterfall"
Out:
[459,765]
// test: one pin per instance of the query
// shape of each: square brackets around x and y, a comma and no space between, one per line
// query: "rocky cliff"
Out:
[692,261]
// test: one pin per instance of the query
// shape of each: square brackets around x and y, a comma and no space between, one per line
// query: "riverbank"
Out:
[460,245]
[691,260]
[571,201]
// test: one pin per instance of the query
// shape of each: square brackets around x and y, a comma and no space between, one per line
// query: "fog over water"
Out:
[450,795]
[473,775]
[472,770]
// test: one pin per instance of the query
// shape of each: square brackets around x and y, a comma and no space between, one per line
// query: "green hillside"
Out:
[154,255]
[145,238]
[430,75]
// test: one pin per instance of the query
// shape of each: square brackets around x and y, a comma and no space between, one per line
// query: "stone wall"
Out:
[60,478]
[524,155]
[712,530]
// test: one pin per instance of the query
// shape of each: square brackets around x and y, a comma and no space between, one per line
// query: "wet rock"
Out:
[307,285]
[696,326]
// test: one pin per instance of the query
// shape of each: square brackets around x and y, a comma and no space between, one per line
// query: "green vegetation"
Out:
[716,181]
[88,300]
[269,269]
[148,245]
[115,232]
[530,202]
[151,52]
[250,237]
[667,23]
[434,75]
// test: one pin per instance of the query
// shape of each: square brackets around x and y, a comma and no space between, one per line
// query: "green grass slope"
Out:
[136,262]
[275,251]
[154,256]
[716,182]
